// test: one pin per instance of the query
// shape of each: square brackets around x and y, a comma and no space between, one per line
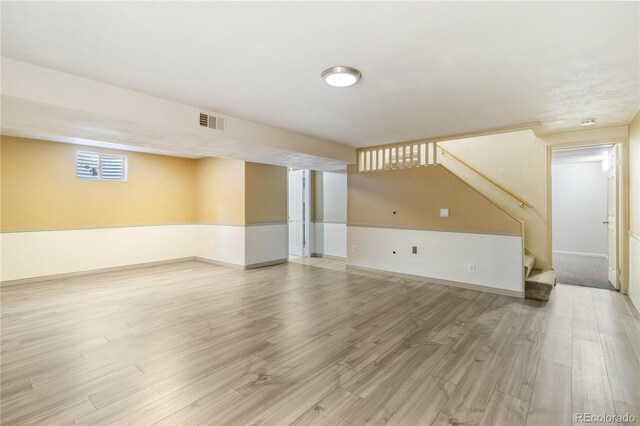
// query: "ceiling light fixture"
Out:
[589,122]
[341,76]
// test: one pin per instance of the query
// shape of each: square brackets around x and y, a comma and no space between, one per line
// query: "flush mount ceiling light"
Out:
[589,122]
[341,76]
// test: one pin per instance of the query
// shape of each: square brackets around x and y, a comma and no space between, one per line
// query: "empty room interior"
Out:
[320,213]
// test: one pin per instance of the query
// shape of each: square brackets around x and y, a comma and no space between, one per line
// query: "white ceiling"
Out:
[429,69]
[30,119]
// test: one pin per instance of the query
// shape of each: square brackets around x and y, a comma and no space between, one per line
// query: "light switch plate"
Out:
[444,212]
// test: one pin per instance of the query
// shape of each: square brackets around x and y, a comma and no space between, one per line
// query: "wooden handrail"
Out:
[522,201]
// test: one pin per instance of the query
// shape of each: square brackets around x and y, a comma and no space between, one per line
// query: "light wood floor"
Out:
[309,343]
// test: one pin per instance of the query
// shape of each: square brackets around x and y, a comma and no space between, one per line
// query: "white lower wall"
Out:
[222,243]
[335,239]
[265,243]
[241,245]
[42,253]
[317,238]
[329,239]
[39,253]
[443,255]
[634,271]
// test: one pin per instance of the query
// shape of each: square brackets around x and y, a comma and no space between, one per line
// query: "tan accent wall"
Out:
[40,189]
[416,195]
[634,175]
[265,193]
[219,192]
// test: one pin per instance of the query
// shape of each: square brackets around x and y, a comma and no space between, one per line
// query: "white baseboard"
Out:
[219,263]
[328,256]
[478,287]
[242,267]
[93,271]
[265,264]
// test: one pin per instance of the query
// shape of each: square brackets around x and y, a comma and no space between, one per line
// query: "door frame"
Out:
[306,213]
[611,146]
[621,144]
[613,172]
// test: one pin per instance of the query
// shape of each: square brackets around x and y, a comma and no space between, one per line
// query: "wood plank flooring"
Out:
[308,343]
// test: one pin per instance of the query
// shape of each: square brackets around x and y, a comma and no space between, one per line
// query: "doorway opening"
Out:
[298,211]
[584,215]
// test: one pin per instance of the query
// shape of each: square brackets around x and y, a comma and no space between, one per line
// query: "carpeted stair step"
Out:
[539,284]
[529,260]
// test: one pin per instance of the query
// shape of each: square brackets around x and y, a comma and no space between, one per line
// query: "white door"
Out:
[296,212]
[611,218]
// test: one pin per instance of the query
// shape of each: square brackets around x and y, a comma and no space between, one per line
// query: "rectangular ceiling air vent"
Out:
[211,121]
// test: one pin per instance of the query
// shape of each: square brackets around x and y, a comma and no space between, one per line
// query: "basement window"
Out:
[91,165]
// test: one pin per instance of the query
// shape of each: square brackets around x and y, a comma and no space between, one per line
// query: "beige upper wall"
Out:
[518,161]
[634,175]
[417,195]
[266,193]
[40,189]
[220,186]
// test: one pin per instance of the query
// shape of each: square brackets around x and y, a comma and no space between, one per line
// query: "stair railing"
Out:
[522,201]
[417,154]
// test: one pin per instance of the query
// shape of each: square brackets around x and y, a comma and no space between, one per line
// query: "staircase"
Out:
[538,282]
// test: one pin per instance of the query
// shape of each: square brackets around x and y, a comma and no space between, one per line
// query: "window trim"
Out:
[99,175]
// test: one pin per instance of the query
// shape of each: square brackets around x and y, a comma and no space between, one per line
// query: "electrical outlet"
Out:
[444,212]
[414,250]
[353,249]
[471,267]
